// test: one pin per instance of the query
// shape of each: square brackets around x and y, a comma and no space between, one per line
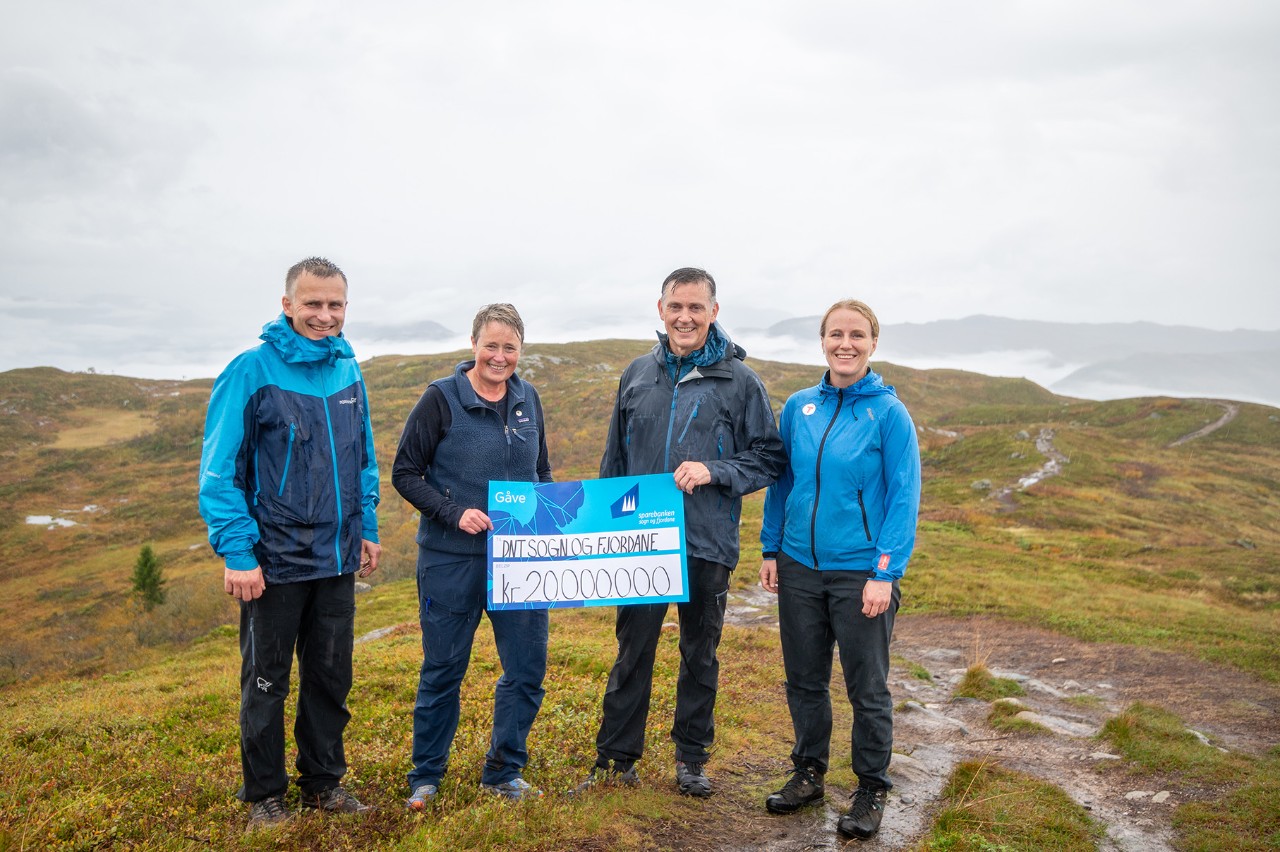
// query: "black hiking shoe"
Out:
[862,820]
[691,781]
[623,774]
[804,787]
[335,800]
[267,813]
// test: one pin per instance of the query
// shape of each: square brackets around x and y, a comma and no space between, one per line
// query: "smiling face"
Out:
[687,311]
[497,352]
[318,306]
[847,344]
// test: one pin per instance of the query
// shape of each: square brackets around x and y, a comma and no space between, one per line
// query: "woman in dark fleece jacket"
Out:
[482,423]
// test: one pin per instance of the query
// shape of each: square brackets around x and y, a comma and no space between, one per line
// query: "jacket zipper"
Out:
[337,484]
[288,456]
[817,478]
[689,422]
[866,528]
[671,417]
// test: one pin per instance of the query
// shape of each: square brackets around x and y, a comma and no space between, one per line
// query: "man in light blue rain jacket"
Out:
[289,489]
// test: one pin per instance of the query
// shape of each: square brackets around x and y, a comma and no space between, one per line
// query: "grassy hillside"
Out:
[1175,547]
[1134,541]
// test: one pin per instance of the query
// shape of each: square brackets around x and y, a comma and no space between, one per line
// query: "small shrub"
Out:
[148,579]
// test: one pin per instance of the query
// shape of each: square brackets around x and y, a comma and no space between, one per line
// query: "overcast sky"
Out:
[162,164]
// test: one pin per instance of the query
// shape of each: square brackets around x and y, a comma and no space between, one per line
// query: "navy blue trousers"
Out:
[317,618]
[451,599]
[818,610]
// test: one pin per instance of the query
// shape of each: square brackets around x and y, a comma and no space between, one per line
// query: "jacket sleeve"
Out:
[901,454]
[762,458]
[614,460]
[370,489]
[775,499]
[224,474]
[426,426]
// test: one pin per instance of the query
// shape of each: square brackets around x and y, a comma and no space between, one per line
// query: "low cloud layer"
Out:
[160,168]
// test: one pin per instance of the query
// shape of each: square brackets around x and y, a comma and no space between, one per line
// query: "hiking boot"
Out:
[862,820]
[335,800]
[517,789]
[804,787]
[606,775]
[422,794]
[267,813]
[691,781]
[627,777]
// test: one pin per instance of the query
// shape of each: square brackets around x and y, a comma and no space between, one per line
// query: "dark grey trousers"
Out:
[818,610]
[626,698]
[317,618]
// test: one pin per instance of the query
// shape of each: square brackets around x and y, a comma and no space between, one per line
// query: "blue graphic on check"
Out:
[600,542]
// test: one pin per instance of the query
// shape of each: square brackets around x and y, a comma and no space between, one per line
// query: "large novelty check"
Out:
[599,542]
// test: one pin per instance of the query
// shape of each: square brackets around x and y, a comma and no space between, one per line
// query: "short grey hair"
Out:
[689,275]
[321,267]
[498,312]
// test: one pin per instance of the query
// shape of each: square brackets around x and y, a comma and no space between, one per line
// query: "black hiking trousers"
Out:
[626,698]
[317,618]
[817,611]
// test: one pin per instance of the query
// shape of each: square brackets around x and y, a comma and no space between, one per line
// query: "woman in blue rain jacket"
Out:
[839,526]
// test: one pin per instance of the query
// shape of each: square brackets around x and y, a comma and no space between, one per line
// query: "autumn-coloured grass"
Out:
[119,724]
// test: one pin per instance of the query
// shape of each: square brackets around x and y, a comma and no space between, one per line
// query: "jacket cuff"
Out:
[245,561]
[769,554]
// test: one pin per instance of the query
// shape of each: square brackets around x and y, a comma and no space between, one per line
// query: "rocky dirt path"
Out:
[1054,460]
[1231,410]
[1073,686]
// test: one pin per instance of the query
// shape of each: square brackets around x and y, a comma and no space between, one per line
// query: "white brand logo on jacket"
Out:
[351,401]
[809,409]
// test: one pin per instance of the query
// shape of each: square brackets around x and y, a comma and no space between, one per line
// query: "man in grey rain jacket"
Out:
[691,408]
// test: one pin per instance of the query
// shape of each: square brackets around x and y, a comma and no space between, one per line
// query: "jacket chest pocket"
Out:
[525,443]
[294,470]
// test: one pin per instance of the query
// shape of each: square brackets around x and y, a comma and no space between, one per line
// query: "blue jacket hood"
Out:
[296,349]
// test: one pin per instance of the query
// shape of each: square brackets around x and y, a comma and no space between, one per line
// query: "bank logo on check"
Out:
[586,543]
[627,503]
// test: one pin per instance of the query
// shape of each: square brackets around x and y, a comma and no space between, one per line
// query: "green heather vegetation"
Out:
[1157,743]
[978,682]
[992,809]
[119,724]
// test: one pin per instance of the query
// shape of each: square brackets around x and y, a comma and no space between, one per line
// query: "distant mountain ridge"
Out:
[1095,360]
